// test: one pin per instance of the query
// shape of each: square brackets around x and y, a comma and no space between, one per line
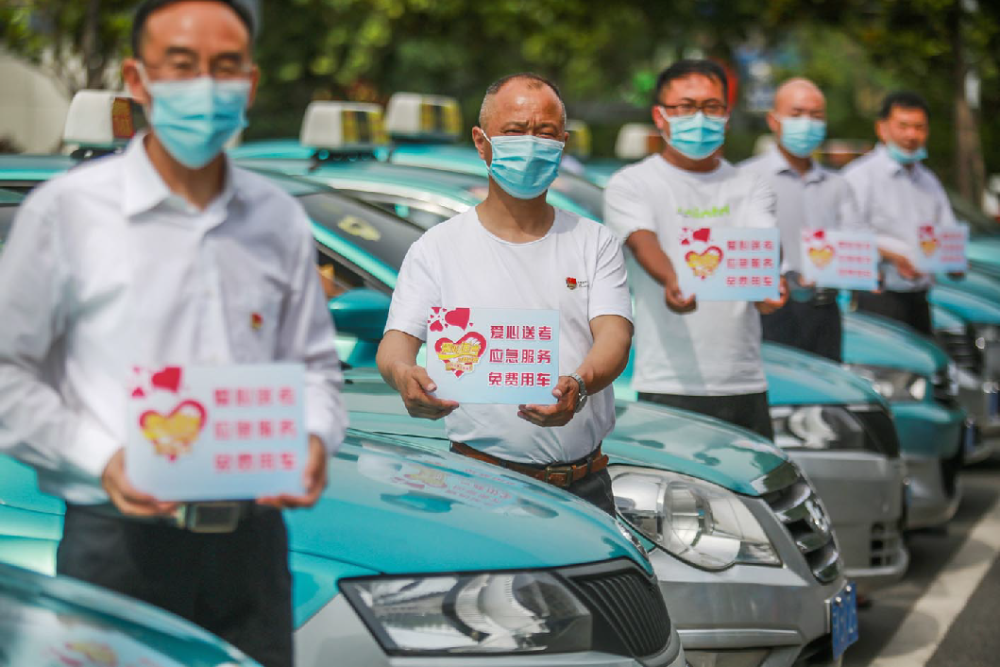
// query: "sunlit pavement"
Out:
[953,581]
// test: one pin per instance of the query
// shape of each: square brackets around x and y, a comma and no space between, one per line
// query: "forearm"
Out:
[608,355]
[396,353]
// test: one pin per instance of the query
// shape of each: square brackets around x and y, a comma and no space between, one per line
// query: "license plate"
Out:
[969,436]
[844,619]
[994,404]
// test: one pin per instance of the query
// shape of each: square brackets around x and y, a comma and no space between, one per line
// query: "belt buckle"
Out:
[566,470]
[215,517]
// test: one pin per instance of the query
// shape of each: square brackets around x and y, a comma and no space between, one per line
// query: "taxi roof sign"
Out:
[101,119]
[416,117]
[637,140]
[580,139]
[343,126]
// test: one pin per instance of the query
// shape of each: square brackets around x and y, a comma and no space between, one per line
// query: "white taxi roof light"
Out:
[343,126]
[423,117]
[99,119]
[637,140]
[580,139]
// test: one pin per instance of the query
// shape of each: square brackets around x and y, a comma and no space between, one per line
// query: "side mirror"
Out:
[361,313]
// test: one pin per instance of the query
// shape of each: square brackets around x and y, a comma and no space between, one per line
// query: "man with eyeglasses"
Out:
[704,357]
[166,255]
[808,197]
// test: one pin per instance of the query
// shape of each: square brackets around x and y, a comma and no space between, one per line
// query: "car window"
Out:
[967,212]
[6,220]
[383,236]
[421,214]
[581,191]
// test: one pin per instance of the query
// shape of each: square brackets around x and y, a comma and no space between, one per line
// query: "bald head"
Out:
[522,98]
[799,97]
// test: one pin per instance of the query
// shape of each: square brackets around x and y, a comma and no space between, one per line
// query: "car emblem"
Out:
[817,517]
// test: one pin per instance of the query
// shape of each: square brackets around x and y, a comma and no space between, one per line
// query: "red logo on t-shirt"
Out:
[571,283]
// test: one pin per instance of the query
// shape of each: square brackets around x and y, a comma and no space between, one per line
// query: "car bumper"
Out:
[934,490]
[769,616]
[337,636]
[867,514]
[981,400]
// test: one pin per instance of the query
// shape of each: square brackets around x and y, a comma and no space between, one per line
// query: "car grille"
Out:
[961,347]
[800,510]
[945,390]
[885,545]
[627,601]
[880,430]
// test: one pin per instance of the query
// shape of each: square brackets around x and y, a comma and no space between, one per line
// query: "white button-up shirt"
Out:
[107,270]
[819,199]
[896,202]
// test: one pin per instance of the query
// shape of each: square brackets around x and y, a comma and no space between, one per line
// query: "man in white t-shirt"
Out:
[515,251]
[808,197]
[704,357]
[898,196]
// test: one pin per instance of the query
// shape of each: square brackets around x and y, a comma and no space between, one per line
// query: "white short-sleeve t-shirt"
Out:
[715,350]
[460,263]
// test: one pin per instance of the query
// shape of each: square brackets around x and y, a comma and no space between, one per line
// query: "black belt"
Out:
[205,517]
[825,296]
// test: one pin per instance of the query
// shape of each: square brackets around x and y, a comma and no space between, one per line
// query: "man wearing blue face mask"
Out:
[897,196]
[166,255]
[808,196]
[514,250]
[704,357]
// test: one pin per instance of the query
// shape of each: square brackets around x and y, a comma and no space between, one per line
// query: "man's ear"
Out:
[661,123]
[254,81]
[880,130]
[773,123]
[483,146]
[133,81]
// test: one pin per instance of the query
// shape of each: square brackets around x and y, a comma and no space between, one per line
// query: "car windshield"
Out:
[979,223]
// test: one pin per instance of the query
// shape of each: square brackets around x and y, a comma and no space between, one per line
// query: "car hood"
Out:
[395,507]
[877,341]
[644,435]
[970,307]
[59,620]
[977,283]
[797,378]
[984,251]
[945,320]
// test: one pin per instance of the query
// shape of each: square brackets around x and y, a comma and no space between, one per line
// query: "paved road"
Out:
[947,610]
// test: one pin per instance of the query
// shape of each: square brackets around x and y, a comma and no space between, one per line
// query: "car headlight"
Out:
[701,523]
[892,383]
[985,334]
[501,612]
[816,427]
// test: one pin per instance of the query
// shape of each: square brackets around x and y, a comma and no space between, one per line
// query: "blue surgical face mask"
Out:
[194,118]
[903,156]
[696,136]
[802,135]
[525,165]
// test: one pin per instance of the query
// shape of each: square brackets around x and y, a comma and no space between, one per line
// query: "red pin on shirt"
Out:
[256,321]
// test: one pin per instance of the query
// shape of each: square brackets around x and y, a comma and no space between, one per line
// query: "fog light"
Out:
[751,658]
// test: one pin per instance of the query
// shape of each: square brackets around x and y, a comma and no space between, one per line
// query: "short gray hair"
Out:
[535,81]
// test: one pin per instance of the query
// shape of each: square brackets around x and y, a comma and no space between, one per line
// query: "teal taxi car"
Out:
[61,621]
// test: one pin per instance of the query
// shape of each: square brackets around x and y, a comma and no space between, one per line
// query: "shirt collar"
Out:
[892,167]
[145,190]
[778,164]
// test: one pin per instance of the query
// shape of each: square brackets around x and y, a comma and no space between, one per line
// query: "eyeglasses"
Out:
[183,67]
[710,108]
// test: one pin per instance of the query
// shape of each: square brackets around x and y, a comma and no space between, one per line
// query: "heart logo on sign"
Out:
[928,240]
[704,264]
[174,433]
[822,256]
[461,356]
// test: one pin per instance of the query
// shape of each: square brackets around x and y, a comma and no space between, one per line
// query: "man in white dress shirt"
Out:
[516,251]
[808,197]
[166,255]
[897,196]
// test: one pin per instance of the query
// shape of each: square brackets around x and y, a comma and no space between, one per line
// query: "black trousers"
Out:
[594,488]
[236,585]
[910,308]
[749,411]
[807,326]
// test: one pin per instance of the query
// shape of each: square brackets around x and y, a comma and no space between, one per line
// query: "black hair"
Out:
[150,6]
[687,67]
[904,99]
[538,80]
